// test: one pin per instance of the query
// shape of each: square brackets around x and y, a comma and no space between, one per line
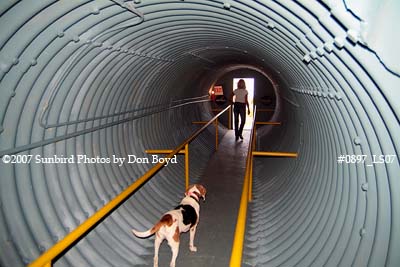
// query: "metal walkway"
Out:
[223,179]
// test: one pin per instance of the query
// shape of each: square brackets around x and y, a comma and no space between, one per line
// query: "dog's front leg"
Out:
[191,242]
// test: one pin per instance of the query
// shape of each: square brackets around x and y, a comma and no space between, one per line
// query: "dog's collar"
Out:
[195,199]
[195,195]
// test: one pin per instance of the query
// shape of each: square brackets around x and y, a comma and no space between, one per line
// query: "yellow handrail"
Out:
[162,151]
[229,115]
[237,247]
[275,154]
[183,151]
[186,150]
[45,260]
[268,123]
[216,130]
[266,110]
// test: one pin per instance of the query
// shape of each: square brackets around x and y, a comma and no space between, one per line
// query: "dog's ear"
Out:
[202,190]
[188,190]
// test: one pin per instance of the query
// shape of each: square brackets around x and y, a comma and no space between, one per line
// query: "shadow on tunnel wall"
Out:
[92,79]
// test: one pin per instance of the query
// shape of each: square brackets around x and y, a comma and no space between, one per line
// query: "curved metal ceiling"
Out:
[100,78]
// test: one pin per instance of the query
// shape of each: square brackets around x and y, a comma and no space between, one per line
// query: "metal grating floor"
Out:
[223,179]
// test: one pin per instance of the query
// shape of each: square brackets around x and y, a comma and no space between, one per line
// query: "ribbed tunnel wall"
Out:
[102,78]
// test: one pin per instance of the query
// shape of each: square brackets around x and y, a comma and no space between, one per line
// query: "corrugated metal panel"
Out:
[83,77]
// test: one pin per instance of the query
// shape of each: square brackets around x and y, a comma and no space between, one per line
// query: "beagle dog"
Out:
[183,218]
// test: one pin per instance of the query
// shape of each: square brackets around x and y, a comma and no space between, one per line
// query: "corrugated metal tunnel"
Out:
[113,77]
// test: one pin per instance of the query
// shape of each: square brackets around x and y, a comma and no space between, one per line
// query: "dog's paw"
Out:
[193,248]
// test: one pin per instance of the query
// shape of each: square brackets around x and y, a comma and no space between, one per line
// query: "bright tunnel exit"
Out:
[250,88]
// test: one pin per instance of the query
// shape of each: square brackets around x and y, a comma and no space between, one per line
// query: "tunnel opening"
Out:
[102,78]
[264,95]
[249,82]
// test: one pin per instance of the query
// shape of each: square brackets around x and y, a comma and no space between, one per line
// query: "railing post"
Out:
[186,166]
[251,180]
[253,146]
[216,134]
[230,118]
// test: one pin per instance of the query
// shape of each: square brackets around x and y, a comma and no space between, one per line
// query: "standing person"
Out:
[239,108]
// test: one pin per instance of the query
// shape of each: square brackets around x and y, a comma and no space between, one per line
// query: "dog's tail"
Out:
[145,233]
[165,220]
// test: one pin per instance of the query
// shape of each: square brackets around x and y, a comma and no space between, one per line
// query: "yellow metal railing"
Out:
[46,259]
[268,123]
[237,247]
[186,150]
[229,115]
[183,151]
[266,110]
[216,130]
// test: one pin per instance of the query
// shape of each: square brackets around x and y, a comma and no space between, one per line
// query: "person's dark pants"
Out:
[239,109]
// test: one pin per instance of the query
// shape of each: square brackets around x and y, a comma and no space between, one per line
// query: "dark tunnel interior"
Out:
[115,77]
